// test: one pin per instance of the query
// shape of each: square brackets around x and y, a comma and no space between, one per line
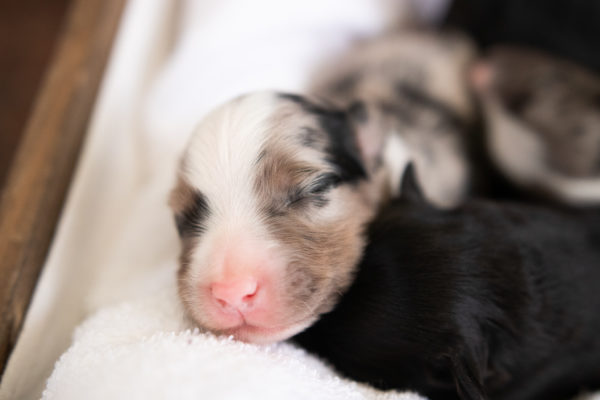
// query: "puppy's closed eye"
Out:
[315,191]
[323,183]
[189,222]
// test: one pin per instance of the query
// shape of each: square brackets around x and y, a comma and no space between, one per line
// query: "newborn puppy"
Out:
[488,301]
[275,190]
[413,85]
[272,197]
[543,122]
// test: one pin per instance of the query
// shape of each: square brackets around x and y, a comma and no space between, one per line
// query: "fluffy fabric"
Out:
[145,349]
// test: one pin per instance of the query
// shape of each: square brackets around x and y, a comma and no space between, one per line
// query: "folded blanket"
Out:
[145,349]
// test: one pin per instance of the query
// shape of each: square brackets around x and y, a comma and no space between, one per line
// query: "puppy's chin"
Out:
[264,335]
[250,328]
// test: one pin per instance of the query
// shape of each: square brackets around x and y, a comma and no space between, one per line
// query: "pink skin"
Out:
[242,300]
[481,76]
[236,295]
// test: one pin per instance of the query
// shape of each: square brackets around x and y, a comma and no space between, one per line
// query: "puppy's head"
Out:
[415,85]
[272,197]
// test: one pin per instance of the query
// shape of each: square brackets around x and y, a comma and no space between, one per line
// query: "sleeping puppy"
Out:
[413,85]
[275,190]
[488,301]
[273,194]
[542,116]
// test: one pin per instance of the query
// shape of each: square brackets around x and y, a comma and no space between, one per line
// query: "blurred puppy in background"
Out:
[542,122]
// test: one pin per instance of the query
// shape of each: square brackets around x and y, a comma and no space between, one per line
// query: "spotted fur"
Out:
[412,85]
[290,181]
[543,122]
[250,175]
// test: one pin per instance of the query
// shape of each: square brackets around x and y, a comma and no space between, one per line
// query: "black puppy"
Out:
[489,301]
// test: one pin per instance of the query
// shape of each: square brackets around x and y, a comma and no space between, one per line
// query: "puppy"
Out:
[272,198]
[487,301]
[542,117]
[412,85]
[275,190]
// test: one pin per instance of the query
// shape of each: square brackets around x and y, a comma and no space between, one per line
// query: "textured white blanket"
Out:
[143,349]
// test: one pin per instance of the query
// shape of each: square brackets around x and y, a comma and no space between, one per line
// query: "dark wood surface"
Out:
[28,33]
[40,174]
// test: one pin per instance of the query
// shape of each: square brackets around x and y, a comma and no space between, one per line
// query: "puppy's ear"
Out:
[409,187]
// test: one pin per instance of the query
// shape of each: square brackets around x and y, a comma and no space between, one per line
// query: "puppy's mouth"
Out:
[249,333]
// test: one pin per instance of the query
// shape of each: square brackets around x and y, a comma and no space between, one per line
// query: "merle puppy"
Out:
[542,116]
[274,190]
[489,301]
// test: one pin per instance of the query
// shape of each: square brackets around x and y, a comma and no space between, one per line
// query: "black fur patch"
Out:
[342,150]
[309,137]
[409,187]
[488,301]
[568,29]
[190,221]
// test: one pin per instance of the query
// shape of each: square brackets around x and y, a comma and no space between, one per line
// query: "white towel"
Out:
[144,349]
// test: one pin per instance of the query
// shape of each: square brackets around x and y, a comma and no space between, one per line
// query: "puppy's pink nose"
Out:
[238,293]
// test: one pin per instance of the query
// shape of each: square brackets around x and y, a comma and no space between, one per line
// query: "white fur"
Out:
[396,155]
[220,162]
[576,191]
[222,154]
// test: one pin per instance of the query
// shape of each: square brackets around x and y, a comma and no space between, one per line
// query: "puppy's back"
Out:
[496,299]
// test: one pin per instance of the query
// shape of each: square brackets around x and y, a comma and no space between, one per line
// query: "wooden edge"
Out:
[44,163]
